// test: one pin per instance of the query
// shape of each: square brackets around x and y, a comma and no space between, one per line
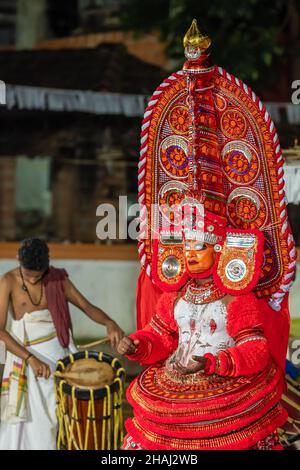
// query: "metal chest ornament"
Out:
[208,141]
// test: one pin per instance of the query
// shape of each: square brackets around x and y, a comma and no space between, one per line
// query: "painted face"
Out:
[199,256]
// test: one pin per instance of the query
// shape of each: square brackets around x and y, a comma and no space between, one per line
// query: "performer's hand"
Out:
[192,369]
[127,346]
[115,333]
[40,369]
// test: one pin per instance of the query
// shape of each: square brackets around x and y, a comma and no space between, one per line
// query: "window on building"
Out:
[33,196]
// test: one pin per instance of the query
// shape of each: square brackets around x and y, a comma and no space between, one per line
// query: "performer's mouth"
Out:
[193,262]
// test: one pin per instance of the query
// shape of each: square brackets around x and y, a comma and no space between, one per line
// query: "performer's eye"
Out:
[187,247]
[200,246]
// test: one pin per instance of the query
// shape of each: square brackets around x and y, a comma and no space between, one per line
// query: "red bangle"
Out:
[210,365]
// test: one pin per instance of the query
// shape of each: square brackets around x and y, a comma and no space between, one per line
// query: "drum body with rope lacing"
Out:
[89,401]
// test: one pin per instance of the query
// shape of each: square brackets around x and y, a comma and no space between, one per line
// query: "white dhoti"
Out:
[28,416]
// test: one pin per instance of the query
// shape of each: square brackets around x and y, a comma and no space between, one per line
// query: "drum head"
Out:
[88,373]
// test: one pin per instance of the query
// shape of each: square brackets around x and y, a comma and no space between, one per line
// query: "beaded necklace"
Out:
[25,288]
[202,294]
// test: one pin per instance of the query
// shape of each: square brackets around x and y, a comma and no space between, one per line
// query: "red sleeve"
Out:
[160,337]
[250,355]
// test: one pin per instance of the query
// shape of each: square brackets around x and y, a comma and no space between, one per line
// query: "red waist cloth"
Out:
[58,304]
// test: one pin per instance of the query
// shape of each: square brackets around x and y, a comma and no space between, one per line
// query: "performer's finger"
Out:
[186,371]
[127,340]
[129,349]
[177,367]
[125,351]
[136,342]
[194,370]
[198,358]
[123,348]
[122,345]
[180,368]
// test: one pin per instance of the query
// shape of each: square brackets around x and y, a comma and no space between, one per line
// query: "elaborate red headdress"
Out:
[206,136]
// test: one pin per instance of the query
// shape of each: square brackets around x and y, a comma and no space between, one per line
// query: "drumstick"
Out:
[95,343]
[295,390]
[290,402]
[293,382]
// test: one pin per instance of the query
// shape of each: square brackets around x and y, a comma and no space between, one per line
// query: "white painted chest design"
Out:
[202,329]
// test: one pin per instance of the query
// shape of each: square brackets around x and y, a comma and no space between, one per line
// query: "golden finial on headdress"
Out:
[193,38]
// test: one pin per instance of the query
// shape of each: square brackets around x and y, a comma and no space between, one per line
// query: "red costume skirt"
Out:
[201,412]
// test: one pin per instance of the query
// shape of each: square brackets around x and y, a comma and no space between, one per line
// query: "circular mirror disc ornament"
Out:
[192,52]
[236,270]
[170,267]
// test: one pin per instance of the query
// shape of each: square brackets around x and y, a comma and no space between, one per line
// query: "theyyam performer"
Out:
[212,297]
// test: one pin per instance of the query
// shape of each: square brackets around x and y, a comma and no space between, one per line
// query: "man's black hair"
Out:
[34,254]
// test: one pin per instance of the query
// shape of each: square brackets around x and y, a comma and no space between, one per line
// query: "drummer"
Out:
[37,296]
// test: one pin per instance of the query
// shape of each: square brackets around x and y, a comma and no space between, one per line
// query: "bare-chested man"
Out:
[37,297]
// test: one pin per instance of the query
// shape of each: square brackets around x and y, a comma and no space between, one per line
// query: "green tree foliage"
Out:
[245,33]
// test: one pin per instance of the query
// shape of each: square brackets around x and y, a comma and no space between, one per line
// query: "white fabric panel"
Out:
[27,97]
